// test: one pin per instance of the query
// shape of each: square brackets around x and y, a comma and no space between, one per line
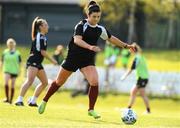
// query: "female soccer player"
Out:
[34,62]
[11,60]
[140,65]
[81,55]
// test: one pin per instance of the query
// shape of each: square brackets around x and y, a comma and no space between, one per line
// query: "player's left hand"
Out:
[95,48]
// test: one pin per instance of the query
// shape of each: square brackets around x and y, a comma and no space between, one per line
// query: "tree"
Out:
[166,10]
[115,11]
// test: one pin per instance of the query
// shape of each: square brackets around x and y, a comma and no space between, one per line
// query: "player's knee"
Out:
[44,83]
[29,82]
[60,82]
[133,94]
[94,83]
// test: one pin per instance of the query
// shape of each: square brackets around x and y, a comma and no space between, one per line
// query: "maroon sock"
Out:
[93,94]
[12,95]
[52,89]
[7,91]
[148,110]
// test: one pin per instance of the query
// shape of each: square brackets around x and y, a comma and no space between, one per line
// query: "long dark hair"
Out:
[93,7]
[35,26]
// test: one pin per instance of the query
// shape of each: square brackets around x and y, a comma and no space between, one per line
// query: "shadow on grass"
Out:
[98,121]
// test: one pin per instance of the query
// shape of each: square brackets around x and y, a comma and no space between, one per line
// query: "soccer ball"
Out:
[128,116]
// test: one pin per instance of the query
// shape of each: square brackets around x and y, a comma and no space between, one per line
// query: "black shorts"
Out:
[141,83]
[11,75]
[36,65]
[76,63]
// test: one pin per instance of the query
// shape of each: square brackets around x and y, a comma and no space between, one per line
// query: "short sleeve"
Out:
[42,44]
[105,33]
[78,30]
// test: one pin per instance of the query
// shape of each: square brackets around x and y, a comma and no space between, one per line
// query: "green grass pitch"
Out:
[66,112]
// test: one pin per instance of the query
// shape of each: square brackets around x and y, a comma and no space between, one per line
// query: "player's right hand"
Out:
[94,48]
[132,48]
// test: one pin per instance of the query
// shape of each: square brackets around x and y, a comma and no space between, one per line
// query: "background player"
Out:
[11,60]
[139,64]
[34,62]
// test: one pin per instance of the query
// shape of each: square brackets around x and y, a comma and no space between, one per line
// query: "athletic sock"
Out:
[148,110]
[93,94]
[20,99]
[33,99]
[12,95]
[52,89]
[7,92]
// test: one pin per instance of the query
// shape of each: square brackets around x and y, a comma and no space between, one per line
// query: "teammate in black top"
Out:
[35,59]
[82,50]
[34,62]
